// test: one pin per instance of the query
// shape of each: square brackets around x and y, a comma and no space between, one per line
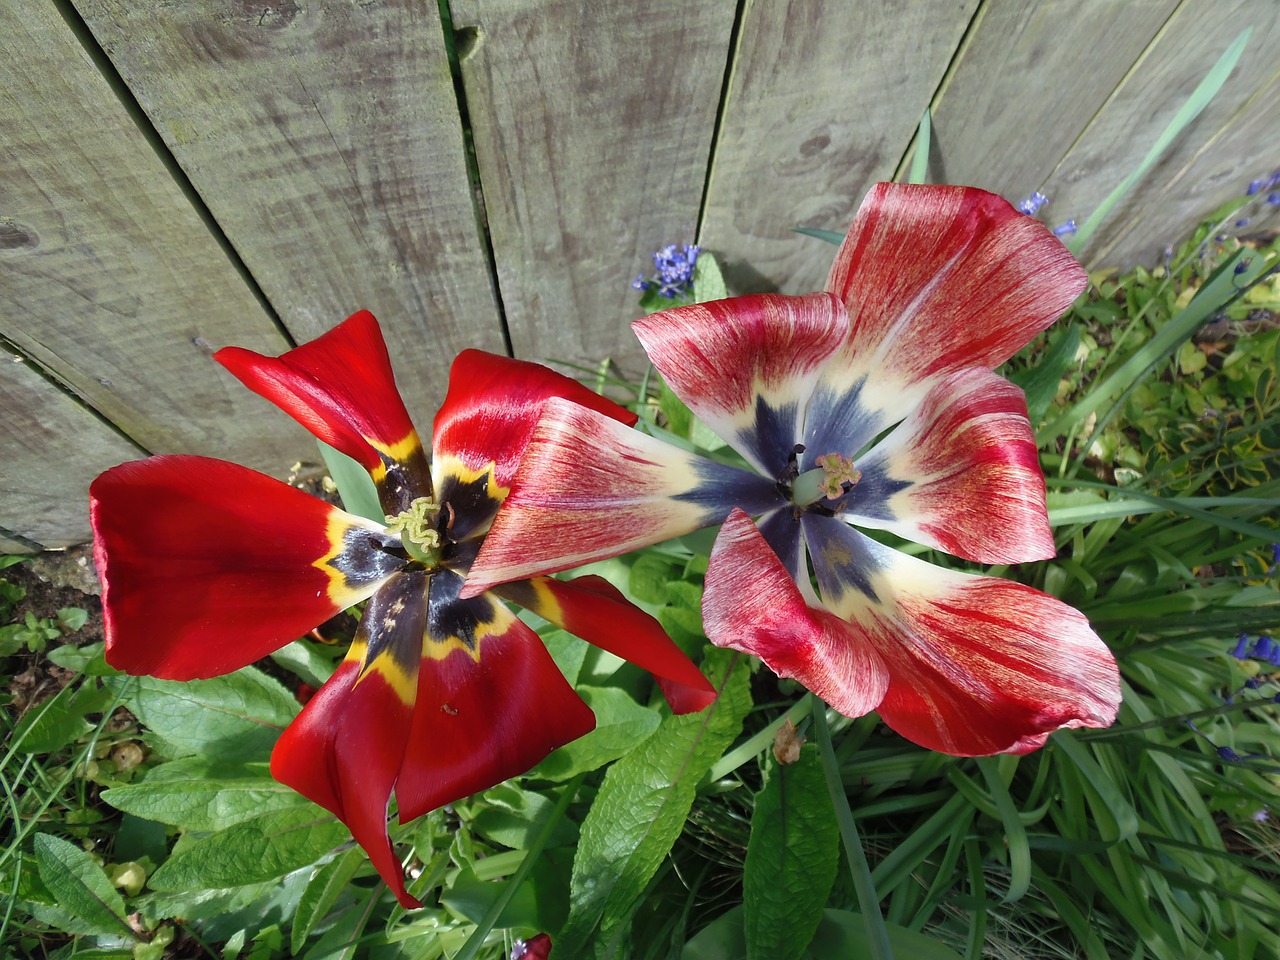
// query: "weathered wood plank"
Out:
[325,138]
[824,99]
[593,125]
[108,277]
[51,448]
[1030,77]
[1220,171]
[1114,144]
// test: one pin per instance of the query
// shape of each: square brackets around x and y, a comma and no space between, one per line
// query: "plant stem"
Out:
[868,901]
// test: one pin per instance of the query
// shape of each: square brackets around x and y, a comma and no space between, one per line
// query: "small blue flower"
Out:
[1065,230]
[1264,649]
[1241,652]
[674,271]
[1273,199]
[1275,558]
[1242,222]
[1255,186]
[1032,204]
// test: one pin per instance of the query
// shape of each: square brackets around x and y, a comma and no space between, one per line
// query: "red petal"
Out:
[589,488]
[961,473]
[208,566]
[751,604]
[936,278]
[592,608]
[491,702]
[344,752]
[539,948]
[747,365]
[493,405]
[346,749]
[978,665]
[340,387]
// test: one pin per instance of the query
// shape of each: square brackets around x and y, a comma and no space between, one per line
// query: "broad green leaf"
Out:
[61,721]
[470,898]
[87,659]
[649,578]
[196,793]
[81,887]
[260,849]
[641,808]
[512,817]
[320,894]
[621,723]
[708,281]
[841,935]
[355,486]
[238,716]
[792,859]
[306,662]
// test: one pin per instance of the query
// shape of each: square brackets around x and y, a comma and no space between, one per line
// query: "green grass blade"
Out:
[920,159]
[1199,99]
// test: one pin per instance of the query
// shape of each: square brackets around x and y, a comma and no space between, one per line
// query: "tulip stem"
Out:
[859,870]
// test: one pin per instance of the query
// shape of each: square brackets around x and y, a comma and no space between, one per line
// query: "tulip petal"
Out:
[592,608]
[978,665]
[346,749]
[934,278]
[491,703]
[962,474]
[750,603]
[746,366]
[340,386]
[589,487]
[482,428]
[208,566]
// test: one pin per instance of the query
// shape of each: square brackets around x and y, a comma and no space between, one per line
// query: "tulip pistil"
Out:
[834,476]
[417,529]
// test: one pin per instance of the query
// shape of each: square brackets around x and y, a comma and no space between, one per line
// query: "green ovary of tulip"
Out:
[417,529]
[834,476]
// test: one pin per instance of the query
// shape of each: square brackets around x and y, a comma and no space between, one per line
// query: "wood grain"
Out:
[823,101]
[1028,80]
[1156,88]
[108,277]
[1217,173]
[51,448]
[325,138]
[593,125]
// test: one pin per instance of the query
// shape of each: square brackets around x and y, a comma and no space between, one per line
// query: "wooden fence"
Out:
[178,176]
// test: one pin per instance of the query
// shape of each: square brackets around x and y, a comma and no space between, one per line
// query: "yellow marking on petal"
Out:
[544,602]
[402,451]
[445,466]
[438,649]
[403,682]
[339,592]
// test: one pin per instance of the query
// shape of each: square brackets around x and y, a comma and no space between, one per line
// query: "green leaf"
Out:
[621,723]
[830,236]
[306,662]
[841,935]
[708,281]
[1041,381]
[238,716]
[60,721]
[72,618]
[1199,99]
[88,659]
[321,893]
[470,898]
[513,817]
[81,887]
[355,486]
[649,577]
[792,859]
[196,793]
[641,808]
[260,849]
[920,157]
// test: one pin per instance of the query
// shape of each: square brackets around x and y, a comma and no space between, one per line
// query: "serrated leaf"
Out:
[260,849]
[321,893]
[621,723]
[196,793]
[81,887]
[641,808]
[238,716]
[792,858]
